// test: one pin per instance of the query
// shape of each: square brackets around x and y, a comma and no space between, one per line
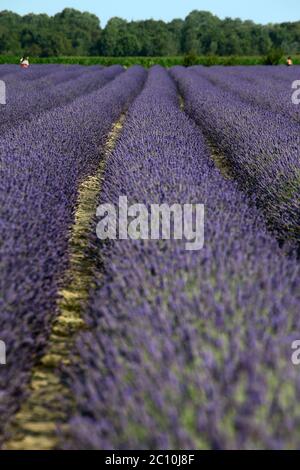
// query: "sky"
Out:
[261,11]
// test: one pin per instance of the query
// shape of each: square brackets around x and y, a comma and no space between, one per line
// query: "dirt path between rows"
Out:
[221,161]
[50,401]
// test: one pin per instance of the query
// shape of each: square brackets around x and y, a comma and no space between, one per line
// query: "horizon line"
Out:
[149,19]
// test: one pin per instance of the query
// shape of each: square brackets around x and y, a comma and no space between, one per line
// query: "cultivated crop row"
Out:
[186,349]
[262,147]
[41,166]
[54,90]
[258,89]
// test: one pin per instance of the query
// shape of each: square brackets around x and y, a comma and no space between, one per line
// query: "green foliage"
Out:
[274,57]
[211,60]
[190,59]
[67,33]
[75,33]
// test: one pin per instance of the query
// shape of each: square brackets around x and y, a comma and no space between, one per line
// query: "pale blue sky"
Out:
[263,11]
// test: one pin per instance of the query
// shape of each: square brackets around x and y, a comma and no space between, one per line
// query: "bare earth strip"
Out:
[49,402]
[220,160]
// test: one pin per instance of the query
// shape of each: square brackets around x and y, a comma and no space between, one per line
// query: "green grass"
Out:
[145,61]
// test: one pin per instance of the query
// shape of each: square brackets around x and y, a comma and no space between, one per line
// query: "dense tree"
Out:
[113,37]
[72,32]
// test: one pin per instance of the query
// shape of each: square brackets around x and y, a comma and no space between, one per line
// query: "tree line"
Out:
[75,33]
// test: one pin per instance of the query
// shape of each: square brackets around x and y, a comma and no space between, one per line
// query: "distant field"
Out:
[146,61]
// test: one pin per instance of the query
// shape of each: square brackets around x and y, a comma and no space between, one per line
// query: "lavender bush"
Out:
[41,165]
[186,350]
[27,101]
[261,87]
[262,147]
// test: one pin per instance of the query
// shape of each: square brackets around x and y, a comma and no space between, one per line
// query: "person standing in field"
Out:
[289,61]
[24,62]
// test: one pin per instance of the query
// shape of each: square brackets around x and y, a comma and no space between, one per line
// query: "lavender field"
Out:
[141,343]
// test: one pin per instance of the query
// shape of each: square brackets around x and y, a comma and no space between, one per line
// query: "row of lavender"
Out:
[42,164]
[186,349]
[26,101]
[259,86]
[15,74]
[262,147]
